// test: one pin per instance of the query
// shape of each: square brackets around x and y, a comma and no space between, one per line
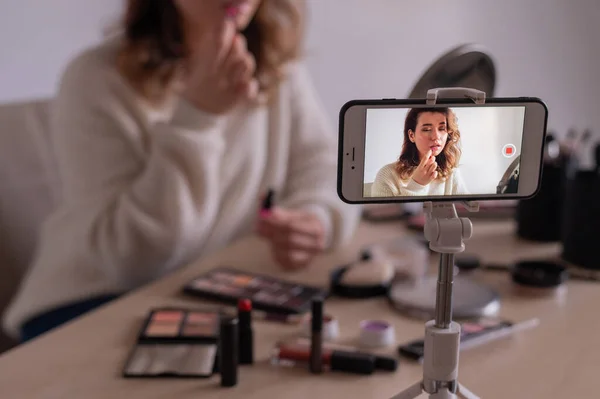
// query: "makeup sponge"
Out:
[366,278]
[370,272]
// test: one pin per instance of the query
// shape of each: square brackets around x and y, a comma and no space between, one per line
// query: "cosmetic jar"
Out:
[376,333]
[538,277]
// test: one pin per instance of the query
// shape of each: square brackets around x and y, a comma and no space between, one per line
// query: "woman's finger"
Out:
[294,222]
[292,260]
[298,241]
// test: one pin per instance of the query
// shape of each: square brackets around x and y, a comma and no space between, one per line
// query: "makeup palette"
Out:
[176,343]
[267,293]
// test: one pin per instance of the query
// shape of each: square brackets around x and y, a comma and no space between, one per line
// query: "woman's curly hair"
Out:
[153,53]
[447,160]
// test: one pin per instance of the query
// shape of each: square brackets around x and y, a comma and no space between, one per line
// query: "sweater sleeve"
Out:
[312,173]
[384,184]
[387,184]
[413,188]
[136,208]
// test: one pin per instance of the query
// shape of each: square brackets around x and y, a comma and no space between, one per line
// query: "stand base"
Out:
[417,389]
[440,366]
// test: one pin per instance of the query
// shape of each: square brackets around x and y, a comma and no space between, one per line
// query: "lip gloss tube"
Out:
[316,343]
[333,360]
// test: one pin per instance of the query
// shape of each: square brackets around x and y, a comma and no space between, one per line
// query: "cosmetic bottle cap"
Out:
[386,363]
[317,314]
[353,362]
[366,255]
[245,305]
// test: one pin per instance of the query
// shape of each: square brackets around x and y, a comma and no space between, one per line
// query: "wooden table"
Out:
[558,359]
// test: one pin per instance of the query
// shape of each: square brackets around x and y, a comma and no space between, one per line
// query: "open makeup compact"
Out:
[176,343]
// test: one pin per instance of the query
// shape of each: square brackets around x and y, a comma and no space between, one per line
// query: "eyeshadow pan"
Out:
[167,316]
[265,297]
[199,330]
[162,329]
[222,277]
[242,281]
[206,285]
[232,291]
[200,317]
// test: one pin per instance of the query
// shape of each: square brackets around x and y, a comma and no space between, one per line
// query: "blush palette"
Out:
[176,343]
[267,293]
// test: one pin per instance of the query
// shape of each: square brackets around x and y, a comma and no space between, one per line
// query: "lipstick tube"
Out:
[246,334]
[228,351]
[332,360]
[385,363]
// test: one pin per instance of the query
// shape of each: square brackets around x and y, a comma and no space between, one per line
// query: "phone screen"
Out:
[409,151]
[442,151]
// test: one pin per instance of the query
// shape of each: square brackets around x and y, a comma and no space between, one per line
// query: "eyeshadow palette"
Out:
[267,293]
[176,343]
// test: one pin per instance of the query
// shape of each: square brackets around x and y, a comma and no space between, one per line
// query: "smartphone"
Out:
[472,334]
[401,150]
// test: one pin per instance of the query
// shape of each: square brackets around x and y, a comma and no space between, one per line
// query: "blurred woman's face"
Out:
[209,12]
[431,133]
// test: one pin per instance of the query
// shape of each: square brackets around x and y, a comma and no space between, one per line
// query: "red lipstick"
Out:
[333,360]
[246,334]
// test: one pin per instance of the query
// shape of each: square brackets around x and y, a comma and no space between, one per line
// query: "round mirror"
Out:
[468,65]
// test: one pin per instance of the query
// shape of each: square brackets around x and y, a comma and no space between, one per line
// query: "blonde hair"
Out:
[152,56]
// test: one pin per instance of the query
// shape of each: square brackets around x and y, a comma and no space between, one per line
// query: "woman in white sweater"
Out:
[167,136]
[428,164]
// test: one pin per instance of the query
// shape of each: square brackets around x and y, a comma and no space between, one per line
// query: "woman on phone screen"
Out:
[167,135]
[429,159]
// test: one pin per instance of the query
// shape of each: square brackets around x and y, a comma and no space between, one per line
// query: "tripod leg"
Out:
[465,393]
[442,394]
[411,392]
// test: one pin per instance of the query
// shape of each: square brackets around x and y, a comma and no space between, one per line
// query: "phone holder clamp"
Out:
[446,233]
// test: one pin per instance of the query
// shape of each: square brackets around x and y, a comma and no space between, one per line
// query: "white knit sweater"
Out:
[145,192]
[389,184]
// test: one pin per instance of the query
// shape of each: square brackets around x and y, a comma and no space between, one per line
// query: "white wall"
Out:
[379,48]
[484,132]
[359,48]
[37,38]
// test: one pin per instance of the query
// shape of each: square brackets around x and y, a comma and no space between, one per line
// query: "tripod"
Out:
[446,233]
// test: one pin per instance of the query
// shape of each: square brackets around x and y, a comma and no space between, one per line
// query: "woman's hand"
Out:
[296,236]
[426,172]
[220,71]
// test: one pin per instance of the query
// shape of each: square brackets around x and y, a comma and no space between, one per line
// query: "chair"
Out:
[28,181]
